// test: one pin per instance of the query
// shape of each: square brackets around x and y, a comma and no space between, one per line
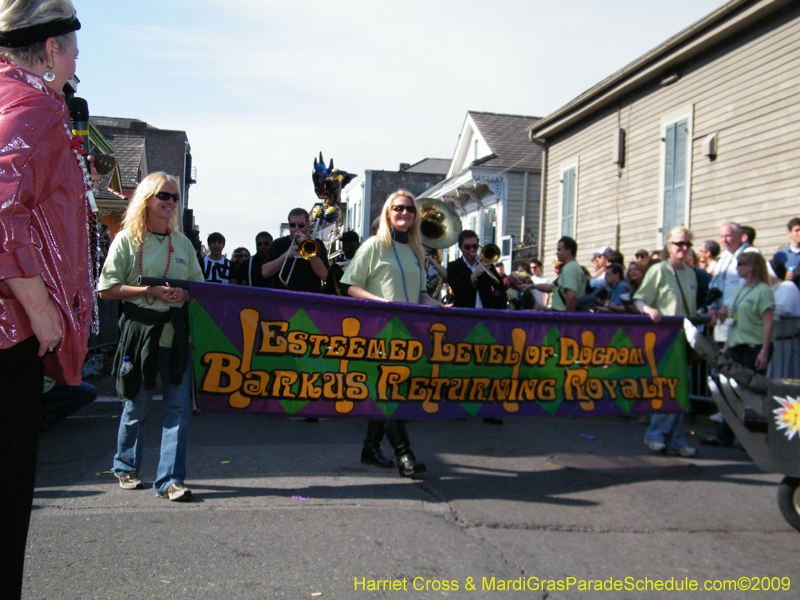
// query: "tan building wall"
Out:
[516,191]
[747,91]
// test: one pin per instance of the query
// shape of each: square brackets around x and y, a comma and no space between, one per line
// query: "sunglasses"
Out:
[684,245]
[398,208]
[260,244]
[471,246]
[297,225]
[641,256]
[167,196]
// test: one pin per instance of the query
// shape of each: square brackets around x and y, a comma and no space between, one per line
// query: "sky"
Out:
[261,87]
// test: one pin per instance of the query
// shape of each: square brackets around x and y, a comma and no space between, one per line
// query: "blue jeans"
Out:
[666,429]
[130,439]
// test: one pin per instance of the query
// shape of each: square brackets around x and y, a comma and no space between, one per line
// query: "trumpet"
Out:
[490,253]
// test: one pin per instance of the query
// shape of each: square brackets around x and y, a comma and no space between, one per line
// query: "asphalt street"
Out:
[284,509]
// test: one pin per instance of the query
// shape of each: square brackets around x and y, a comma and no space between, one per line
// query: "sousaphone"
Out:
[440,229]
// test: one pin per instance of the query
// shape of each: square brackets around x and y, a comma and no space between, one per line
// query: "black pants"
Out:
[21,375]
[395,430]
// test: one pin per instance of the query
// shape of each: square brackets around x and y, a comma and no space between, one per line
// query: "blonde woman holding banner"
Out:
[669,288]
[388,268]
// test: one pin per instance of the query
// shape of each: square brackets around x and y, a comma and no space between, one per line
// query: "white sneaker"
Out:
[717,416]
[655,446]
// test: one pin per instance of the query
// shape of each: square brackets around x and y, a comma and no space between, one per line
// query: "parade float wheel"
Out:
[789,500]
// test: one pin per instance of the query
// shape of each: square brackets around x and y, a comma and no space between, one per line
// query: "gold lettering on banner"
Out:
[587,352]
[649,349]
[249,320]
[400,377]
[350,329]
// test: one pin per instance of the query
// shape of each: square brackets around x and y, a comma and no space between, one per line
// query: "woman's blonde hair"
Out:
[135,219]
[675,233]
[760,272]
[18,14]
[414,233]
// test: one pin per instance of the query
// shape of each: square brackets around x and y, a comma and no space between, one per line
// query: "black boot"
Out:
[398,437]
[371,454]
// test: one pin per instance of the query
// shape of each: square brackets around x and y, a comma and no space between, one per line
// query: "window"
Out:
[487,231]
[568,206]
[676,166]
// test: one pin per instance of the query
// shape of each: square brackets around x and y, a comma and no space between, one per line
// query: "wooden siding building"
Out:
[703,129]
[493,182]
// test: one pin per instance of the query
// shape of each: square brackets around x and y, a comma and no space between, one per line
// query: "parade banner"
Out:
[312,355]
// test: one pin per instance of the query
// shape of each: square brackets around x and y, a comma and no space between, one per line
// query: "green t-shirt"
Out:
[661,290]
[751,304]
[375,268]
[572,278]
[122,266]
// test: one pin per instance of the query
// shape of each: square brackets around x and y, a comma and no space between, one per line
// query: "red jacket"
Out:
[43,211]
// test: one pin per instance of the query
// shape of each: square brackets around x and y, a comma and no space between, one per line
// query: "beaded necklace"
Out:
[92,230]
[169,259]
[403,275]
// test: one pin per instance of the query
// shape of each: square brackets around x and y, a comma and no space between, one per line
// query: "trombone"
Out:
[308,250]
[490,253]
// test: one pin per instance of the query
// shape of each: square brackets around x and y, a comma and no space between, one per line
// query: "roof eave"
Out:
[654,63]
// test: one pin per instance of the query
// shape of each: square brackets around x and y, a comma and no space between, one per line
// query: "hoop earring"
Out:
[48,75]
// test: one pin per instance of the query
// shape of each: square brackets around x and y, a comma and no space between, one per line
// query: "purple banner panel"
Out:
[311,355]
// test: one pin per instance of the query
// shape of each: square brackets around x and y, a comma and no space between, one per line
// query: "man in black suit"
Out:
[472,286]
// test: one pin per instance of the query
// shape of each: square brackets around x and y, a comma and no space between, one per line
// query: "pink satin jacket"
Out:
[43,213]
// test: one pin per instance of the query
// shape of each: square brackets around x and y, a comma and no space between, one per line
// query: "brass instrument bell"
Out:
[440,225]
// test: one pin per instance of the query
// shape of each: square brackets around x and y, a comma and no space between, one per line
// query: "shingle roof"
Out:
[439,166]
[165,148]
[129,149]
[506,137]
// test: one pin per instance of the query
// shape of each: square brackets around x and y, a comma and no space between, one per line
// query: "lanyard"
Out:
[737,301]
[680,287]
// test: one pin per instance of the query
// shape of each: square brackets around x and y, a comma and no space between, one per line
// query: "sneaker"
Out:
[686,452]
[717,417]
[177,492]
[655,446]
[130,481]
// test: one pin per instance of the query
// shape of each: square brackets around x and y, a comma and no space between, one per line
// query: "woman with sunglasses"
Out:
[669,288]
[45,288]
[154,332]
[388,268]
[749,316]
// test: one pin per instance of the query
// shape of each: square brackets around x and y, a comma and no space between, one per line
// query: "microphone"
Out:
[79,116]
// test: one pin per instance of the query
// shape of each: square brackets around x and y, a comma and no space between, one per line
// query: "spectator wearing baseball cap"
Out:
[600,262]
